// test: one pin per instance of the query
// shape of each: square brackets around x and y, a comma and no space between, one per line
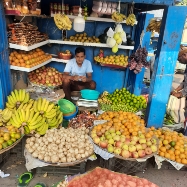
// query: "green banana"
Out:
[26,129]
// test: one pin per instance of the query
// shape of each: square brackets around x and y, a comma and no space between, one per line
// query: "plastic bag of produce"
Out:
[176,108]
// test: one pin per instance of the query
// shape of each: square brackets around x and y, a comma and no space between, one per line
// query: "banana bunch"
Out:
[131,20]
[16,98]
[154,25]
[103,99]
[117,17]
[5,115]
[62,22]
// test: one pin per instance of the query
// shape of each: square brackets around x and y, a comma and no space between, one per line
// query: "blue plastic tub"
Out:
[72,115]
[90,94]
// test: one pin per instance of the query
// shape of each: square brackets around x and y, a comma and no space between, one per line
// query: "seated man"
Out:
[77,74]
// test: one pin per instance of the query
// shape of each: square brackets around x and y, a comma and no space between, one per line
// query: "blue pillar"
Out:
[5,79]
[135,81]
[167,52]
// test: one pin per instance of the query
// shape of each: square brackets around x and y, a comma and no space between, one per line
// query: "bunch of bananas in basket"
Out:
[103,99]
[62,22]
[154,25]
[5,116]
[131,19]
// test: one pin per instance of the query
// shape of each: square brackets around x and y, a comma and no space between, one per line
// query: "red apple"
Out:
[125,154]
[138,147]
[96,140]
[141,153]
[135,154]
[118,144]
[154,148]
[142,140]
[103,144]
[132,148]
[125,147]
[144,145]
[117,151]
[148,150]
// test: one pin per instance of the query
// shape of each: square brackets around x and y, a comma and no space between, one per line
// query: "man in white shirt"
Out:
[77,74]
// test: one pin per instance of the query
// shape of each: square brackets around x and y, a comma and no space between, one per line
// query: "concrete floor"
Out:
[163,178]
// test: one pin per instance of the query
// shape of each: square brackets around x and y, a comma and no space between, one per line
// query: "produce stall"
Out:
[117,133]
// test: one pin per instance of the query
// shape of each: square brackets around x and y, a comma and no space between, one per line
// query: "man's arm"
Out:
[87,78]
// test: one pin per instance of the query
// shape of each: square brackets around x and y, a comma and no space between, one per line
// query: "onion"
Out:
[32,139]
[58,141]
[31,144]
[63,159]
[81,151]
[36,145]
[47,159]
[83,155]
[27,146]
[54,159]
[41,156]
[31,150]
[78,156]
[35,154]
[69,159]
[28,140]
[50,139]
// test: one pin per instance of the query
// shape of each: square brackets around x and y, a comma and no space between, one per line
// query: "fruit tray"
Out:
[113,66]
[11,146]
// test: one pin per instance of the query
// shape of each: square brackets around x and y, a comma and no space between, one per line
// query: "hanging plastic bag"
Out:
[176,108]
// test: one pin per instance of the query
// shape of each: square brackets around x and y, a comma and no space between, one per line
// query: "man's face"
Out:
[183,58]
[80,58]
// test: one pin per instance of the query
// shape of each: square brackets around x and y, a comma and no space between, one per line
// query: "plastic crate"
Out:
[56,170]
[18,150]
[4,157]
[123,166]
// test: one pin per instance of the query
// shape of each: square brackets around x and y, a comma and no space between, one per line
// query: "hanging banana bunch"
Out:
[131,19]
[154,25]
[62,22]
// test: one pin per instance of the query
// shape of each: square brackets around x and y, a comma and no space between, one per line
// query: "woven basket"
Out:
[10,147]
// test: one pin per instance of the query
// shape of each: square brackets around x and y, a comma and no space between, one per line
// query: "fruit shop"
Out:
[114,124]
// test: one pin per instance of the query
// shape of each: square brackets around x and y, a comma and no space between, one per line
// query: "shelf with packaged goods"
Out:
[89,44]
[30,69]
[95,19]
[28,48]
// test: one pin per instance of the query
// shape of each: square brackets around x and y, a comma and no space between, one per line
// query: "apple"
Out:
[149,143]
[144,145]
[99,134]
[118,144]
[122,138]
[132,143]
[116,138]
[102,138]
[117,151]
[141,153]
[127,141]
[134,138]
[96,140]
[125,154]
[103,144]
[148,150]
[141,135]
[153,140]
[125,147]
[111,130]
[118,132]
[142,140]
[111,141]
[113,134]
[138,147]
[154,148]
[107,133]
[109,136]
[135,154]
[132,148]
[110,149]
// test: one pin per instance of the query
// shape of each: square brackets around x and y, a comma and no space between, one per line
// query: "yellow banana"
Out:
[35,106]
[60,121]
[10,106]
[50,107]
[34,117]
[46,106]
[41,127]
[27,114]
[26,129]
[14,121]
[13,97]
[39,103]
[39,118]
[10,100]
[20,116]
[43,104]
[31,115]
[28,106]
[17,95]
[45,128]
[21,106]
[26,99]
[37,125]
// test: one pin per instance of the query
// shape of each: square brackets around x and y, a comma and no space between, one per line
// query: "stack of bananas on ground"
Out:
[103,99]
[154,25]
[5,116]
[117,17]
[38,117]
[131,19]
[62,22]
[17,98]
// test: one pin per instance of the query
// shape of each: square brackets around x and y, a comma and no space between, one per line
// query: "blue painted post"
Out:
[167,51]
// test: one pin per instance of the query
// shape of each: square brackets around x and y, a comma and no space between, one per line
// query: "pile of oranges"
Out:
[28,59]
[129,124]
[172,145]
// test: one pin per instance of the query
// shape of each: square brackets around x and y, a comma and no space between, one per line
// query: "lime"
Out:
[4,144]
[10,142]
[172,143]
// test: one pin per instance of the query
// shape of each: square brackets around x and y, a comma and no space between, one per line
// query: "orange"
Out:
[161,153]
[172,157]
[182,156]
[148,135]
[178,160]
[167,155]
[171,152]
[163,149]
[184,161]
[134,133]
[177,147]
[177,152]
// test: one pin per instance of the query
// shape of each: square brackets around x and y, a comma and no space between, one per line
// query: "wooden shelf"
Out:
[94,19]
[28,48]
[89,44]
[30,69]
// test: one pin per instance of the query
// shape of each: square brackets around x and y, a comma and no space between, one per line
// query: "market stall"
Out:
[122,128]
